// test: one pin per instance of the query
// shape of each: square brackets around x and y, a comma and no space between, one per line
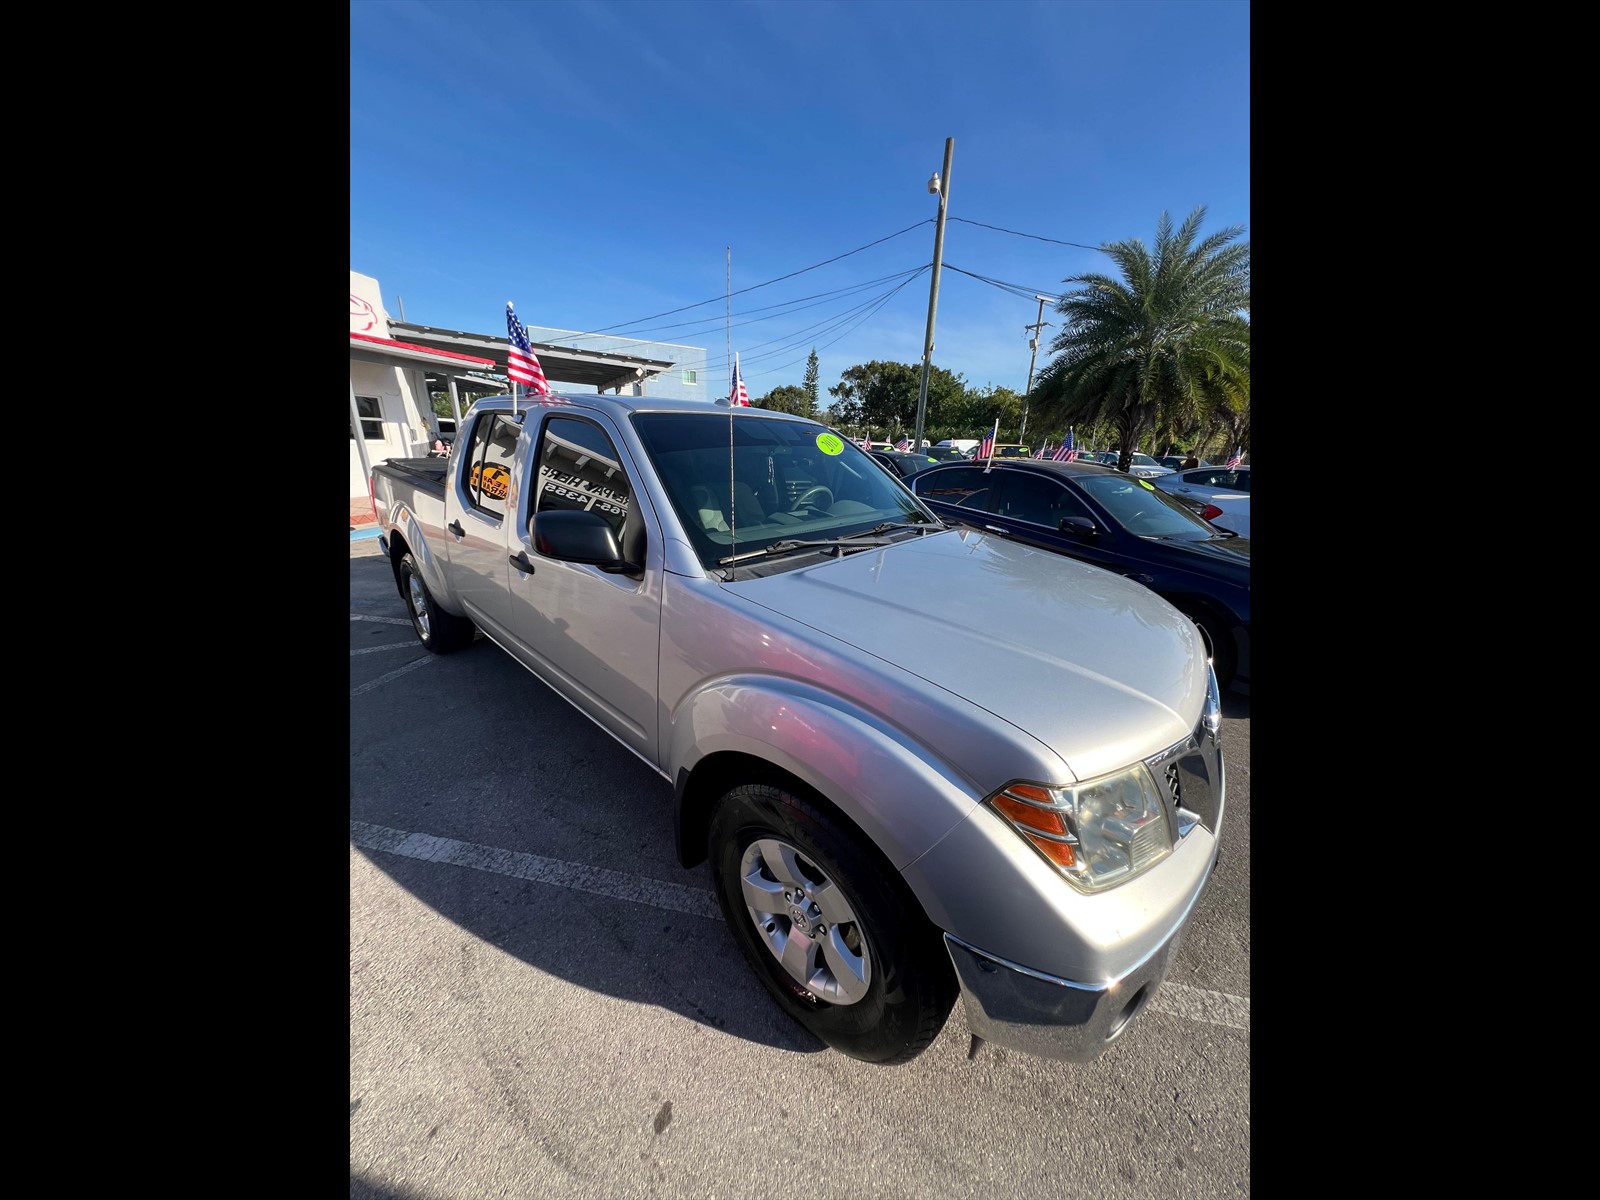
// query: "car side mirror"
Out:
[582,537]
[1078,527]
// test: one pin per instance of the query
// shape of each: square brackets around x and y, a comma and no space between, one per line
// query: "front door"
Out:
[594,637]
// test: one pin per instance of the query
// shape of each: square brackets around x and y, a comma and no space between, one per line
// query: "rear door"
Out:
[481,495]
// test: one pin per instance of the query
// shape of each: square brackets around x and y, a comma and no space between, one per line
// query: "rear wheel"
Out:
[835,936]
[438,630]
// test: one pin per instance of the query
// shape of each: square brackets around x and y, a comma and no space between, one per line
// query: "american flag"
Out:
[522,365]
[1040,452]
[1233,463]
[866,442]
[738,397]
[986,447]
[1066,452]
[903,445]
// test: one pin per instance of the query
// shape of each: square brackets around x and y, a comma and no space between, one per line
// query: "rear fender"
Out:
[410,535]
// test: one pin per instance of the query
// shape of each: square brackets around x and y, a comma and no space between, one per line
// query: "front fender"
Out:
[897,790]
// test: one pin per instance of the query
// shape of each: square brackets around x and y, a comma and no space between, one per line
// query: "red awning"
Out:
[377,349]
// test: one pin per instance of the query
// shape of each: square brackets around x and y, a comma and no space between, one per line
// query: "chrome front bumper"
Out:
[1035,1013]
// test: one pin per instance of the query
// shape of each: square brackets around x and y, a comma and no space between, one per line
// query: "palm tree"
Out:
[1165,347]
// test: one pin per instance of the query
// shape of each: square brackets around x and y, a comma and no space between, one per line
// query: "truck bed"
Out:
[429,472]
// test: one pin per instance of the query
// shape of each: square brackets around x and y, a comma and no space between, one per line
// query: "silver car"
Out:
[744,600]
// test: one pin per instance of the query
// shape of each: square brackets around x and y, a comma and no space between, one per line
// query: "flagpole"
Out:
[729,319]
[509,308]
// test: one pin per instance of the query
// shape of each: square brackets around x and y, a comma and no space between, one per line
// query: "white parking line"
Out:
[411,645]
[1175,999]
[380,620]
[398,671]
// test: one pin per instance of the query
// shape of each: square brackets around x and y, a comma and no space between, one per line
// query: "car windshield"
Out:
[1143,460]
[740,483]
[1144,510]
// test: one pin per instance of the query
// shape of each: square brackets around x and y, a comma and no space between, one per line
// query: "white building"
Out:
[395,365]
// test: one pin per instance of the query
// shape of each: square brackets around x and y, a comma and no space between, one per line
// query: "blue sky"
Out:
[600,163]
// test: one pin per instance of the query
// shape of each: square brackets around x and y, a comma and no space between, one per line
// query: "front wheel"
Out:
[1219,641]
[835,936]
[439,631]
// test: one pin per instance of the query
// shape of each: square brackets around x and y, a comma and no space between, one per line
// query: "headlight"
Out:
[1098,833]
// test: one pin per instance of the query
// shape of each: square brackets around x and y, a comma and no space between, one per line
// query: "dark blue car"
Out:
[1124,524]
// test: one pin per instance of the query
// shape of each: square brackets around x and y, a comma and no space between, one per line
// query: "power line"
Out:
[1015,289]
[755,286]
[1035,236]
[701,324]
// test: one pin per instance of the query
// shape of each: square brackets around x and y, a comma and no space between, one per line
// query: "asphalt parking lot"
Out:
[542,1002]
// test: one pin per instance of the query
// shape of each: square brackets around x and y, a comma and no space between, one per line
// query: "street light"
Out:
[938,184]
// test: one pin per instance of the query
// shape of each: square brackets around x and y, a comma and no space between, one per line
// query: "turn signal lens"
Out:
[1097,833]
[1034,818]
[1060,853]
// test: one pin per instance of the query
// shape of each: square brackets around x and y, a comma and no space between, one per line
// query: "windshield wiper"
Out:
[839,545]
[889,526]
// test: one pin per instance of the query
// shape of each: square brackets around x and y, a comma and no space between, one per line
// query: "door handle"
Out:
[455,528]
[519,560]
[994,529]
[1140,578]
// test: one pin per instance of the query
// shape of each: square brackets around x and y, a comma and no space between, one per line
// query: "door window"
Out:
[579,469]
[967,487]
[494,441]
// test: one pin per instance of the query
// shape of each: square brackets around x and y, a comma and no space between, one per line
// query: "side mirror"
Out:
[577,536]
[1078,527]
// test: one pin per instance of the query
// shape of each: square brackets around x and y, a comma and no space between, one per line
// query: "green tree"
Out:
[1165,347]
[810,385]
[787,398]
[978,410]
[881,397]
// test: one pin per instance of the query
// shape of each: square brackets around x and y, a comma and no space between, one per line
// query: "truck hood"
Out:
[1098,668]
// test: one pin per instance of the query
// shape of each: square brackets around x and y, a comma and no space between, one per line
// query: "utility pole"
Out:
[1033,345]
[941,185]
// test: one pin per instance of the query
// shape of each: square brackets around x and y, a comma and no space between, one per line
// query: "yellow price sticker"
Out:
[829,444]
[1147,485]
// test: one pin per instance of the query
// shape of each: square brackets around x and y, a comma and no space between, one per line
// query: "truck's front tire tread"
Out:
[912,987]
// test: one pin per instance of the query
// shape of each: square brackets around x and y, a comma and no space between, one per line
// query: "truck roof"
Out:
[626,405]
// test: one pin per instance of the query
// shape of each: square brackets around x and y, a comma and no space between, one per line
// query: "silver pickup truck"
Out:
[922,762]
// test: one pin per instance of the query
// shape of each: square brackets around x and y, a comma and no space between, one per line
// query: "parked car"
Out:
[1230,512]
[901,464]
[1011,450]
[745,604]
[1143,466]
[1174,462]
[944,453]
[1202,483]
[1101,516]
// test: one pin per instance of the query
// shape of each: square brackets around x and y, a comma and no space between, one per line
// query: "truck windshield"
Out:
[741,482]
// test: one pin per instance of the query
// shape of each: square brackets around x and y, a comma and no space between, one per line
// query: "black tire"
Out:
[1224,654]
[906,987]
[439,631]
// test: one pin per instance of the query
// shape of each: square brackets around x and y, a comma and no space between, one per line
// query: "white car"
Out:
[1202,483]
[1142,466]
[1230,512]
[1219,495]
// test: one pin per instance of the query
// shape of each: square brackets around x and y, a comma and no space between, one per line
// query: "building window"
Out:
[371,419]
[691,376]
